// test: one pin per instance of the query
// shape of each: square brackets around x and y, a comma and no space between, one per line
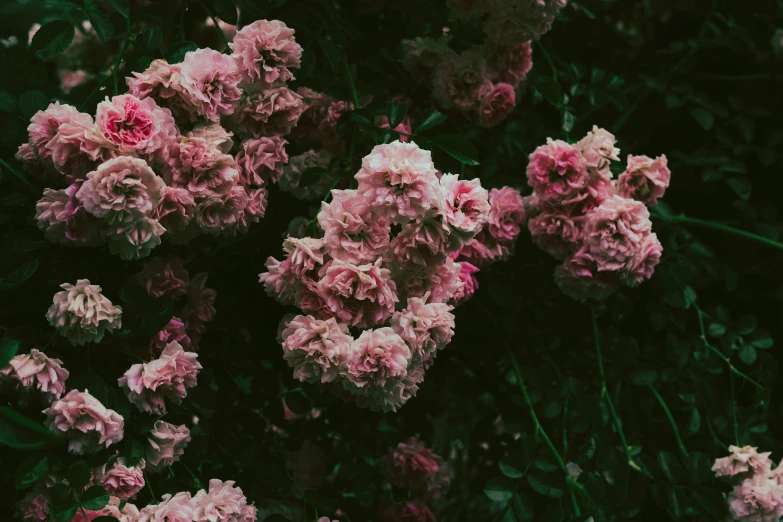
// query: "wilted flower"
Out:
[82,314]
[166,444]
[36,371]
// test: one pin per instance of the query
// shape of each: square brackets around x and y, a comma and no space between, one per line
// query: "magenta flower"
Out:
[465,203]
[496,105]
[413,466]
[506,213]
[122,481]
[34,507]
[135,126]
[173,332]
[614,232]
[557,171]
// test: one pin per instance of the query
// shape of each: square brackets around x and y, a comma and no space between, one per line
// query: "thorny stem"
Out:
[671,421]
[726,228]
[17,175]
[720,354]
[214,21]
[539,429]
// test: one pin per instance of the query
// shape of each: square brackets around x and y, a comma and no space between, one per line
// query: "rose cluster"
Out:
[383,266]
[483,81]
[758,488]
[599,227]
[159,159]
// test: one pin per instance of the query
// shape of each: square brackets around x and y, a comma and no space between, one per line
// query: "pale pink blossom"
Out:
[278,280]
[215,134]
[177,508]
[261,160]
[164,275]
[86,423]
[506,213]
[742,461]
[136,240]
[45,124]
[421,56]
[644,179]
[644,262]
[614,231]
[270,113]
[479,250]
[315,349]
[255,209]
[163,82]
[469,281]
[222,212]
[556,171]
[78,147]
[413,466]
[175,209]
[200,166]
[465,203]
[555,232]
[598,149]
[121,191]
[426,327]
[211,81]
[441,282]
[174,331]
[82,314]
[36,372]
[377,358]
[123,481]
[461,81]
[351,232]
[222,503]
[166,444]
[758,498]
[31,162]
[425,241]
[360,295]
[265,52]
[496,105]
[34,507]
[399,178]
[406,512]
[508,63]
[306,255]
[135,126]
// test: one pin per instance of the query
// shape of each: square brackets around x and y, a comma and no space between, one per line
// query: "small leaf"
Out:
[644,376]
[694,422]
[716,330]
[23,433]
[703,117]
[19,275]
[95,498]
[397,113]
[151,38]
[748,354]
[31,102]
[362,116]
[121,6]
[427,119]
[176,51]
[64,506]
[7,102]
[499,489]
[102,24]
[134,451]
[8,350]
[512,466]
[670,466]
[79,474]
[52,39]
[31,470]
[761,340]
[742,187]
[458,147]
[544,489]
[746,324]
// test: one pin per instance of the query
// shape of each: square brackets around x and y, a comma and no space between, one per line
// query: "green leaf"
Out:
[499,489]
[761,340]
[151,38]
[176,51]
[31,102]
[748,354]
[550,90]
[52,39]
[22,433]
[694,422]
[79,474]
[308,65]
[512,466]
[332,52]
[703,117]
[458,147]
[8,350]
[95,498]
[226,11]
[64,505]
[7,102]
[674,502]
[397,113]
[134,451]
[31,470]
[427,119]
[19,275]
[670,466]
[102,24]
[544,489]
[746,324]
[716,330]
[362,116]
[742,187]
[121,6]
[643,376]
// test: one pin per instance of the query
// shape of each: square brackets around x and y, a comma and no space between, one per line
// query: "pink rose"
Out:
[265,51]
[556,233]
[135,240]
[164,275]
[614,232]
[316,349]
[465,203]
[469,282]
[425,327]
[200,166]
[166,444]
[34,507]
[211,81]
[134,125]
[461,81]
[742,462]
[506,213]
[424,242]
[556,171]
[173,332]
[271,113]
[644,179]
[351,232]
[508,63]
[122,481]
[441,282]
[278,280]
[84,422]
[496,105]
[175,209]
[261,160]
[598,149]
[82,314]
[163,82]
[36,371]
[222,212]
[376,358]
[45,124]
[757,498]
[223,502]
[413,466]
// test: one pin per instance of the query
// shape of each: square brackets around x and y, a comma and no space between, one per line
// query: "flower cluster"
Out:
[758,488]
[35,373]
[483,81]
[599,227]
[81,314]
[131,174]
[413,466]
[84,422]
[385,266]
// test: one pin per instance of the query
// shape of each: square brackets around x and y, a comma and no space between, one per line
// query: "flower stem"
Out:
[671,421]
[149,486]
[734,411]
[214,21]
[727,228]
[539,429]
[17,175]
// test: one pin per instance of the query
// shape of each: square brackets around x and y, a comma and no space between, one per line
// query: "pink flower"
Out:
[644,262]
[758,498]
[426,328]
[469,282]
[351,232]
[168,376]
[265,51]
[421,56]
[255,209]
[556,233]
[270,113]
[315,349]
[644,179]
[34,507]
[360,295]
[399,178]
[318,123]
[376,358]
[441,282]
[82,314]
[175,209]
[78,147]
[45,124]
[164,275]
[211,81]
[465,203]
[461,81]
[122,481]
[390,397]
[496,105]
[134,125]
[517,22]
[200,307]
[278,280]
[404,128]
[215,134]
[178,508]
[479,250]
[318,178]
[200,166]
[556,171]
[424,242]
[174,332]
[121,190]
[580,279]
[223,503]
[614,232]
[508,63]
[84,422]
[742,461]
[407,512]
[222,212]
[306,255]
[413,466]
[506,213]
[36,371]
[166,444]
[136,240]
[599,151]
[261,160]
[308,465]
